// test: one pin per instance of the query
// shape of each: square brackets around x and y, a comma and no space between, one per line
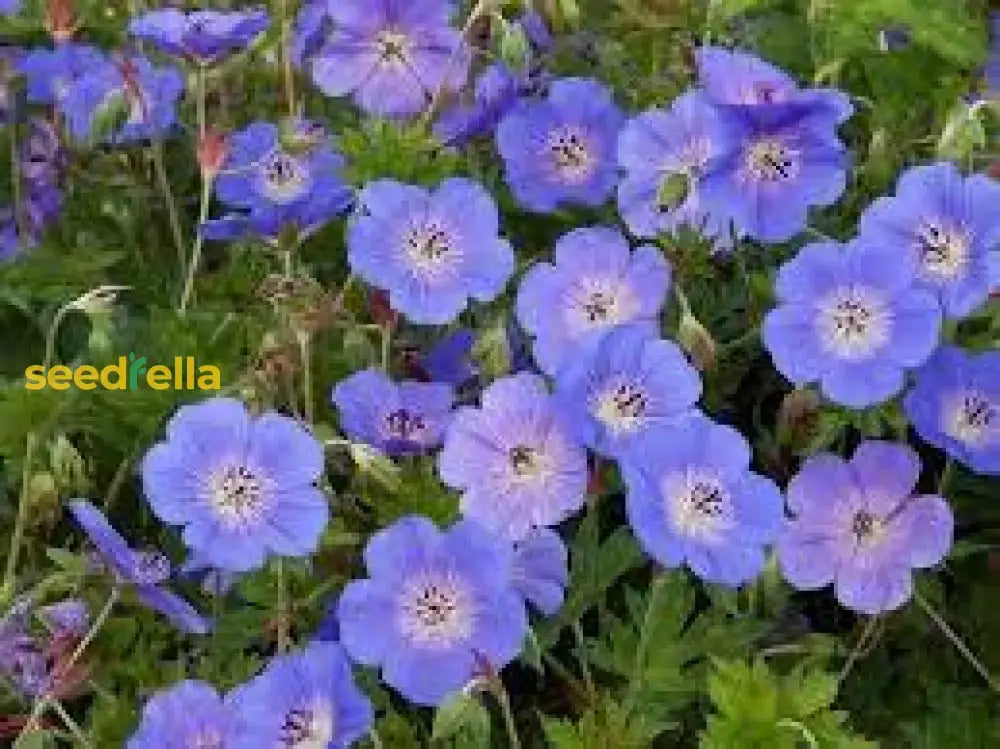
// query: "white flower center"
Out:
[572,154]
[435,610]
[211,739]
[431,250]
[149,568]
[393,48]
[972,418]
[283,177]
[769,160]
[697,504]
[853,323]
[621,406]
[944,252]
[404,425]
[307,727]
[238,495]
[599,303]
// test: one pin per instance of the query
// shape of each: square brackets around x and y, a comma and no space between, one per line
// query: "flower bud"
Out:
[60,20]
[212,151]
[697,342]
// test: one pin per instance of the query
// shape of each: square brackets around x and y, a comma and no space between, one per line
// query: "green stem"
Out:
[581,656]
[173,216]
[71,725]
[305,349]
[22,517]
[375,739]
[386,331]
[856,652]
[946,476]
[503,700]
[284,642]
[286,57]
[206,196]
[960,646]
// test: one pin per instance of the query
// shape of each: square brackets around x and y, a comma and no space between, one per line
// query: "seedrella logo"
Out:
[128,373]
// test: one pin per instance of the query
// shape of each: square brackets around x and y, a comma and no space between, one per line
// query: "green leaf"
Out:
[461,712]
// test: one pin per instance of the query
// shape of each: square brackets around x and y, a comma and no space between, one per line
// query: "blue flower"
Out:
[625,384]
[144,570]
[693,500]
[391,56]
[188,714]
[66,618]
[734,77]
[404,419]
[311,29]
[541,570]
[205,35]
[514,461]
[51,73]
[949,223]
[23,662]
[992,72]
[436,609]
[850,318]
[857,525]
[955,405]
[596,284]
[449,359]
[498,89]
[431,250]
[241,486]
[9,7]
[561,151]
[275,180]
[304,699]
[147,97]
[664,153]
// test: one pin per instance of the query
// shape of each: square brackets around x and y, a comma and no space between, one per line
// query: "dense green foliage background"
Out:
[636,657]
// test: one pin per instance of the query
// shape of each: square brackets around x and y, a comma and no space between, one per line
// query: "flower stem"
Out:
[173,216]
[960,646]
[307,384]
[386,331]
[375,739]
[283,637]
[286,56]
[503,700]
[7,592]
[43,702]
[856,652]
[71,725]
[581,657]
[206,195]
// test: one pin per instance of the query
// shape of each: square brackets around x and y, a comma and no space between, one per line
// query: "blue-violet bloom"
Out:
[693,500]
[408,418]
[436,610]
[144,570]
[207,36]
[242,486]
[431,250]
[850,318]
[595,284]
[856,525]
[188,714]
[513,459]
[561,151]
[955,405]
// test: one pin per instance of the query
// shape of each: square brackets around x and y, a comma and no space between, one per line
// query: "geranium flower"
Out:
[144,570]
[950,223]
[436,609]
[624,384]
[664,153]
[144,96]
[391,56]
[431,250]
[561,151]
[497,91]
[513,459]
[241,486]
[277,179]
[955,405]
[541,570]
[399,419]
[692,500]
[303,700]
[187,714]
[856,525]
[596,284]
[850,318]
[207,36]
[51,73]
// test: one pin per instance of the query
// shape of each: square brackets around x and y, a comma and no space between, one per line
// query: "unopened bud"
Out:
[68,467]
[381,310]
[797,416]
[697,342]
[212,151]
[514,49]
[60,20]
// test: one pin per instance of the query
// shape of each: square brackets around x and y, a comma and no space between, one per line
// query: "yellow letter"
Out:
[86,377]
[159,377]
[209,378]
[34,377]
[59,377]
[120,369]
